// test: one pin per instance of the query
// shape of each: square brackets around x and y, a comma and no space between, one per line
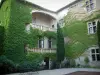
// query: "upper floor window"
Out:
[34,20]
[27,27]
[41,42]
[92,27]
[61,21]
[89,5]
[52,26]
[95,53]
[49,43]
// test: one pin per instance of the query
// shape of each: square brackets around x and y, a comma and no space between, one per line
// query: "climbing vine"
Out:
[15,16]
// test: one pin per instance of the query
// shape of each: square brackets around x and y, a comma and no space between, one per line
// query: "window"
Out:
[89,5]
[52,26]
[49,42]
[92,27]
[27,27]
[41,42]
[34,20]
[95,54]
[61,21]
[87,2]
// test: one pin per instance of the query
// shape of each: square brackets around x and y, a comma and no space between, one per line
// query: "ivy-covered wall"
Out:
[78,38]
[15,36]
[4,21]
[2,31]
[14,16]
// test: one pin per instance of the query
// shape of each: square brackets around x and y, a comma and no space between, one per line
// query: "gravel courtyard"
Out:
[63,71]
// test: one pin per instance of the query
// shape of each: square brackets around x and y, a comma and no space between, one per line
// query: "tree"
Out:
[60,45]
[98,33]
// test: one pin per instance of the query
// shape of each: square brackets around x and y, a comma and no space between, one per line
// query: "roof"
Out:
[51,10]
[67,6]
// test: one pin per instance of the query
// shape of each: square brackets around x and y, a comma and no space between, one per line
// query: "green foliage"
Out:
[72,63]
[60,45]
[50,55]
[1,39]
[28,66]
[30,63]
[14,15]
[34,56]
[5,13]
[86,60]
[6,65]
[80,40]
[16,37]
[33,36]
[98,32]
[2,1]
[50,34]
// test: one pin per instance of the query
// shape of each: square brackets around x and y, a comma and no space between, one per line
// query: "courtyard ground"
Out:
[84,73]
[63,71]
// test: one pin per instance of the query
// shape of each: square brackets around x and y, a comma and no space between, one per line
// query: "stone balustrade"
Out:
[42,50]
[42,27]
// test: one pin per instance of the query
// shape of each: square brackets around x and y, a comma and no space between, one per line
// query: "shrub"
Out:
[72,63]
[1,39]
[26,66]
[86,60]
[6,65]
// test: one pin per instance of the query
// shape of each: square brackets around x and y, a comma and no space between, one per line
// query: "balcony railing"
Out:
[43,27]
[39,50]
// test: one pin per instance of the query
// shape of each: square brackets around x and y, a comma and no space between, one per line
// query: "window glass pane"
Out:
[40,43]
[94,23]
[93,50]
[87,7]
[90,30]
[97,51]
[94,29]
[98,57]
[87,2]
[90,25]
[91,1]
[92,6]
[49,42]
[52,26]
[93,57]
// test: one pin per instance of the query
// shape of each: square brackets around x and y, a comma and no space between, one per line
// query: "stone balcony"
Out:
[42,50]
[42,27]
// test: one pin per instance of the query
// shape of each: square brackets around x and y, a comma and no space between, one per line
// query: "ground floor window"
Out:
[95,54]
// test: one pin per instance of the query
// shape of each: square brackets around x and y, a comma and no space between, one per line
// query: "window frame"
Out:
[49,43]
[41,42]
[95,54]
[90,5]
[91,25]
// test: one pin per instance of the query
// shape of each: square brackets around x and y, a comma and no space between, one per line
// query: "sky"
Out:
[53,5]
